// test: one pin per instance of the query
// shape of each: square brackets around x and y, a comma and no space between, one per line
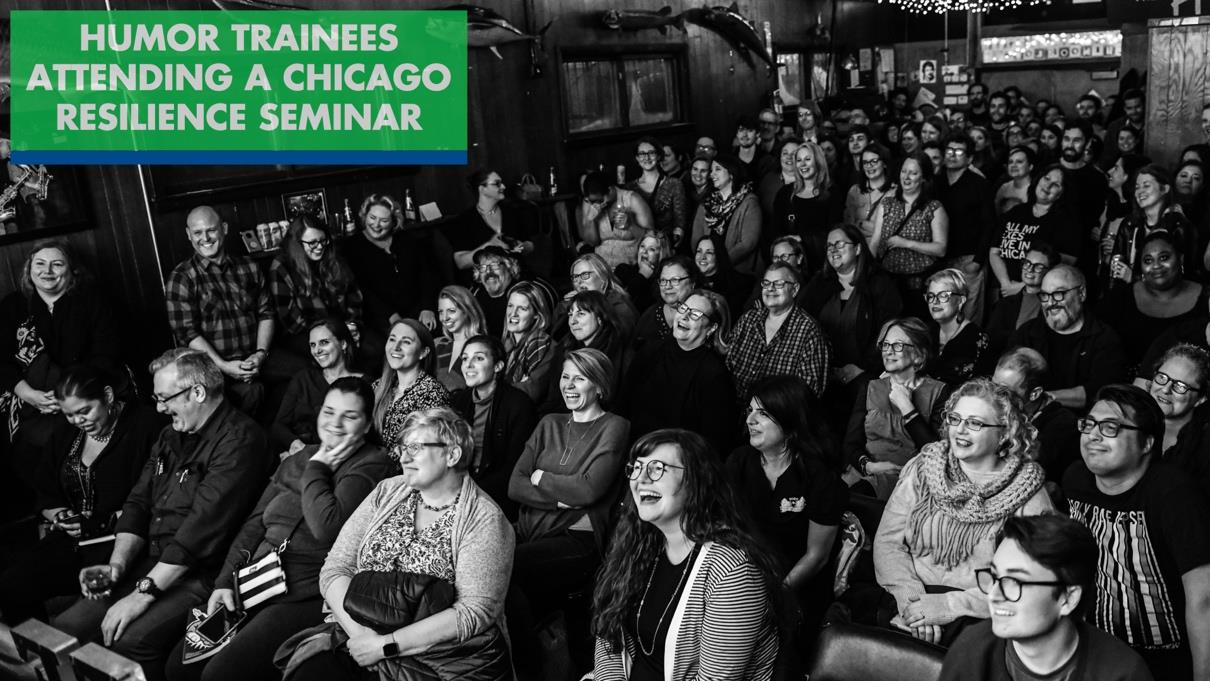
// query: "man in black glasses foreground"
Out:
[1153,529]
[1083,353]
[1039,585]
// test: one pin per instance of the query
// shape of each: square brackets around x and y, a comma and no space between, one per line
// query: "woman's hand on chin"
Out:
[334,455]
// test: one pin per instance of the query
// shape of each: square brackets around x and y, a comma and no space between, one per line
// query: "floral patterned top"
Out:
[426,393]
[396,546]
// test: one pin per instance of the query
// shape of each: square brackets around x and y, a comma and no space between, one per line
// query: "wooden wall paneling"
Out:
[1176,87]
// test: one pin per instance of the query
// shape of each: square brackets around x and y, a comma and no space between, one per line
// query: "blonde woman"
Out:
[460,317]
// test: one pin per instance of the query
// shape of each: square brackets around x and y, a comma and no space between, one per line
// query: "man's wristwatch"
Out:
[390,649]
[147,586]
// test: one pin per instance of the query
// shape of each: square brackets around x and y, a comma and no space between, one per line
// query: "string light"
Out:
[942,6]
[1051,46]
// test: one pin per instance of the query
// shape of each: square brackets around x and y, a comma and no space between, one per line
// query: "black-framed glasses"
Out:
[837,245]
[582,277]
[778,285]
[1178,387]
[953,419]
[1027,266]
[495,267]
[414,448]
[896,347]
[173,396]
[497,183]
[956,151]
[647,154]
[655,469]
[1010,587]
[315,243]
[671,281]
[691,312]
[1058,295]
[1108,428]
[870,162]
[940,296]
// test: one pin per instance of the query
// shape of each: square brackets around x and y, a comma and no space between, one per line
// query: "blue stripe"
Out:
[445,158]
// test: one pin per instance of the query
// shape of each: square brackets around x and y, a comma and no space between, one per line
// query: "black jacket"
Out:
[510,421]
[878,301]
[1099,356]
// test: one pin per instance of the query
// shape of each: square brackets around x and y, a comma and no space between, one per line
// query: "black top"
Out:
[510,421]
[811,219]
[113,472]
[1058,439]
[1150,535]
[1191,452]
[964,357]
[735,287]
[970,205]
[853,325]
[1020,228]
[654,616]
[1192,331]
[296,417]
[1084,190]
[1089,358]
[82,330]
[470,231]
[1120,309]
[668,387]
[494,310]
[404,281]
[979,655]
[642,290]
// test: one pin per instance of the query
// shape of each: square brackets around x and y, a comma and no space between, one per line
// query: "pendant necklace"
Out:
[659,625]
[571,447]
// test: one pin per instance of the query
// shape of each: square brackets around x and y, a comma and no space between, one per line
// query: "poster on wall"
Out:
[956,77]
[928,71]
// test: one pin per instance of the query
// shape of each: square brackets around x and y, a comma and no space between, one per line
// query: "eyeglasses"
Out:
[1010,587]
[582,277]
[1057,296]
[691,312]
[1028,266]
[646,154]
[495,267]
[953,419]
[671,281]
[778,285]
[871,162]
[655,469]
[497,183]
[940,296]
[173,396]
[1110,429]
[315,243]
[413,448]
[895,347]
[837,245]
[1178,387]
[956,151]
[706,146]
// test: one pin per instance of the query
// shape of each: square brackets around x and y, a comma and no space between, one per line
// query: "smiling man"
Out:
[1038,587]
[201,479]
[1084,354]
[1153,528]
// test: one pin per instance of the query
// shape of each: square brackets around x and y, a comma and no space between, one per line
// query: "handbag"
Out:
[530,189]
[264,579]
[387,601]
[905,261]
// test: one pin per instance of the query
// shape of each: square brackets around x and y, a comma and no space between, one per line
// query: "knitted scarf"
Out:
[952,514]
[718,210]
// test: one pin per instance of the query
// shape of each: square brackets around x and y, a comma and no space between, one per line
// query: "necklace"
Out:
[568,450]
[643,601]
[113,427]
[492,211]
[440,509]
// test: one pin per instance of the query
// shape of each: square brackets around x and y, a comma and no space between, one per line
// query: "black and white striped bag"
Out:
[263,580]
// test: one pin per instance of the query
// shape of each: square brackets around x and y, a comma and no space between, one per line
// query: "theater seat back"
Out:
[857,653]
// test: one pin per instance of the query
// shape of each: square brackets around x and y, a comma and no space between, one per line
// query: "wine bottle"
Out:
[554,182]
[409,207]
[350,224]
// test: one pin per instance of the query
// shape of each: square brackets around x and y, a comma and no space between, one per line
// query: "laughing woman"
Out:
[460,317]
[685,592]
[407,382]
[332,349]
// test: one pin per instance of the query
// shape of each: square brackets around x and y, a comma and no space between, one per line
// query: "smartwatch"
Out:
[146,585]
[390,649]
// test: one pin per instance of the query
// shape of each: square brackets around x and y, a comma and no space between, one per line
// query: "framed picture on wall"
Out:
[38,201]
[311,203]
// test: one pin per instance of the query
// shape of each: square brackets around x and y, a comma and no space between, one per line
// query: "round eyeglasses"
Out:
[655,469]
[1010,587]
[940,296]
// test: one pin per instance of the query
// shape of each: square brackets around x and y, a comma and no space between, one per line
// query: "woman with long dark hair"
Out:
[1155,209]
[911,230]
[676,276]
[682,546]
[788,477]
[731,211]
[332,349]
[1119,204]
[460,317]
[710,256]
[1044,217]
[407,382]
[309,282]
[871,187]
[665,195]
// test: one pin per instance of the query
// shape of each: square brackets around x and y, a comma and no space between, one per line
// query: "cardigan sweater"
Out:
[305,504]
[481,541]
[720,628]
[296,417]
[978,655]
[743,228]
[511,418]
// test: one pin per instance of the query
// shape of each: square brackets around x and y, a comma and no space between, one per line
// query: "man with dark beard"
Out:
[1084,187]
[1084,354]
[976,99]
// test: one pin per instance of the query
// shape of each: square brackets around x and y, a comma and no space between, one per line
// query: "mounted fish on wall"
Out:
[734,28]
[487,28]
[641,19]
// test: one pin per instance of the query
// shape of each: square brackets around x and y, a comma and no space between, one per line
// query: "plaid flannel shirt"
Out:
[222,300]
[799,348]
[296,310]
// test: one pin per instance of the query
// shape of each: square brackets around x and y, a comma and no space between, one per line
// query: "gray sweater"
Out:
[482,542]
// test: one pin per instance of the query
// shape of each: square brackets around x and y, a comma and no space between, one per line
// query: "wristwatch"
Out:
[390,649]
[146,585]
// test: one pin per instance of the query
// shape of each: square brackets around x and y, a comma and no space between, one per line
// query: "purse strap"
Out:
[904,221]
[286,542]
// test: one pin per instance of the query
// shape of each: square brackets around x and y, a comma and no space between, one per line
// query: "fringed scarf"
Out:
[718,210]
[952,514]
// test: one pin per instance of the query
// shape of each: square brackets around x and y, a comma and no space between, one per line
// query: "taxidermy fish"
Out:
[486,28]
[734,28]
[639,19]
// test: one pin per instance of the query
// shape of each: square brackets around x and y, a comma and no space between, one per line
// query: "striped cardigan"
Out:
[719,630]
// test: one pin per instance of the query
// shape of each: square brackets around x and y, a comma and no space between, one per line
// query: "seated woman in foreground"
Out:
[940,523]
[680,542]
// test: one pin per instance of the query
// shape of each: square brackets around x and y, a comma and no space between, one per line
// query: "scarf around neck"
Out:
[953,514]
[719,210]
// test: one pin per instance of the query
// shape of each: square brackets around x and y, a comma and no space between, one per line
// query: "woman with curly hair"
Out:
[407,382]
[940,523]
[685,592]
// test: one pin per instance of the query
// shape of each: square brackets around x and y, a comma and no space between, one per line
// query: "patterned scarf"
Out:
[29,348]
[952,514]
[719,210]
